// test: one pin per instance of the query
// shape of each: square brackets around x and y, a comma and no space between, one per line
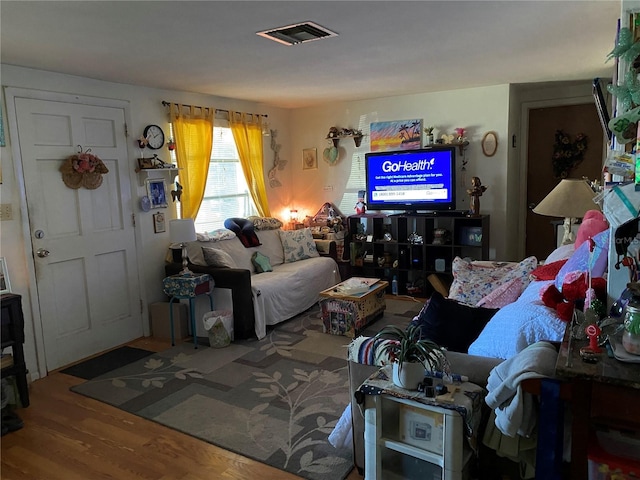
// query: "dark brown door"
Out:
[543,124]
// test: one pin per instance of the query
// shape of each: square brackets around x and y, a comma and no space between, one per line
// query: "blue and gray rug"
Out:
[275,400]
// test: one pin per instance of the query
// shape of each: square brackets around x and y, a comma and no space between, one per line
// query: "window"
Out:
[226,194]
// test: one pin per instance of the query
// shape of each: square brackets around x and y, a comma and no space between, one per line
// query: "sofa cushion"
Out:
[214,257]
[265,223]
[474,280]
[261,263]
[271,246]
[298,245]
[503,295]
[451,324]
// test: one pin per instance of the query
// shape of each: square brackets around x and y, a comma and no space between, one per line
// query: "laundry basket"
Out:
[219,327]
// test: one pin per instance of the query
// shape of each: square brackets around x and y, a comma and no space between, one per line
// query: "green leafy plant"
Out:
[405,345]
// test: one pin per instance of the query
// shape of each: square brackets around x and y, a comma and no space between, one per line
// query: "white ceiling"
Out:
[384,48]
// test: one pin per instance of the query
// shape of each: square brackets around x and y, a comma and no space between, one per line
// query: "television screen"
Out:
[412,180]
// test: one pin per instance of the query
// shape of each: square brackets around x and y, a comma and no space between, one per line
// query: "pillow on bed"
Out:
[473,281]
[518,325]
[563,252]
[451,324]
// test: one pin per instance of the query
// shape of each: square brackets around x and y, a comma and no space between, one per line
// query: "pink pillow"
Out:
[503,295]
[593,223]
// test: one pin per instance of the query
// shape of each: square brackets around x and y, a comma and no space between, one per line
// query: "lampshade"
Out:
[571,198]
[182,230]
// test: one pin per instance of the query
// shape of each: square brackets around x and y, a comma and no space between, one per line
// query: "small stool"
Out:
[188,287]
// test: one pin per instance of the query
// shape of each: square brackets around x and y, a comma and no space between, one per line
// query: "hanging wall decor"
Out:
[567,154]
[83,170]
[278,164]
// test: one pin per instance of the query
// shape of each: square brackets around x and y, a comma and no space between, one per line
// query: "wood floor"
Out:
[67,436]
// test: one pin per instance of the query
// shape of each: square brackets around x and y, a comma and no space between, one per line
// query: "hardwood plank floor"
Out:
[68,436]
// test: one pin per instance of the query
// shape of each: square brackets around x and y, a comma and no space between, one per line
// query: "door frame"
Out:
[524,131]
[11,93]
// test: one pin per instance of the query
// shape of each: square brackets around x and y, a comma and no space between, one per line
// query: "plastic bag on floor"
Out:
[219,327]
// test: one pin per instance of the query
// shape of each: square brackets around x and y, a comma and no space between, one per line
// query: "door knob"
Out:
[42,252]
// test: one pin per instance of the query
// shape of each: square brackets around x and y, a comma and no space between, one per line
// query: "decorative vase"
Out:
[631,342]
[631,334]
[409,375]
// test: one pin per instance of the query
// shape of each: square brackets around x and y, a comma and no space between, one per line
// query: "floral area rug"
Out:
[275,400]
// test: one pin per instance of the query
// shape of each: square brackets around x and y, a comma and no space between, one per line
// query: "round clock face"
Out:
[155,136]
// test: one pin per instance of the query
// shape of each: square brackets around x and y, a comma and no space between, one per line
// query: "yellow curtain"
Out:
[194,140]
[247,133]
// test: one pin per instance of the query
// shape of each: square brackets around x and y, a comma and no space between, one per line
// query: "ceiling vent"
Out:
[297,33]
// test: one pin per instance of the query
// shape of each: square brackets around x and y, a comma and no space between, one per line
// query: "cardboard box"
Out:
[161,321]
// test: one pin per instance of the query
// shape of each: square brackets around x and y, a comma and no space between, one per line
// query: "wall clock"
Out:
[154,136]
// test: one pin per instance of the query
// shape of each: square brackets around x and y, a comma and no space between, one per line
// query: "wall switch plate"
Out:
[5,211]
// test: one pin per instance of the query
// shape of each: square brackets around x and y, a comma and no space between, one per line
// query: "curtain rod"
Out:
[166,104]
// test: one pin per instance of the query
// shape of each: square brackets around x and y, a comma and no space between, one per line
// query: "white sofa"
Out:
[261,299]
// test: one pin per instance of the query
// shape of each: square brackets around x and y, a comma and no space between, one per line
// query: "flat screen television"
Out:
[412,180]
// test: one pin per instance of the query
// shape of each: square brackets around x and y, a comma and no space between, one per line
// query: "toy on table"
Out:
[360,207]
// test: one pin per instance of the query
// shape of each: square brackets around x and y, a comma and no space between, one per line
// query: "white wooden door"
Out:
[87,284]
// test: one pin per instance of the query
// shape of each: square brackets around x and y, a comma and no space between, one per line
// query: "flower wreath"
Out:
[566,154]
[83,170]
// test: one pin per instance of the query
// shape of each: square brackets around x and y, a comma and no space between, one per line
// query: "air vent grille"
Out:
[297,33]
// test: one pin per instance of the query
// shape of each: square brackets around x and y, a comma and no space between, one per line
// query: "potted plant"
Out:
[410,354]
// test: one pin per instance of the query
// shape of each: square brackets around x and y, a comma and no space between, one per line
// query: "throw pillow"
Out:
[592,224]
[473,281]
[548,271]
[265,223]
[451,324]
[579,261]
[298,245]
[215,257]
[503,295]
[261,262]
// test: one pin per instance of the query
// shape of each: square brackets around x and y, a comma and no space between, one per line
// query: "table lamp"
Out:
[570,199]
[183,230]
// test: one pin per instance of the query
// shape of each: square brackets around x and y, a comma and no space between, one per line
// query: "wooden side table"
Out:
[188,287]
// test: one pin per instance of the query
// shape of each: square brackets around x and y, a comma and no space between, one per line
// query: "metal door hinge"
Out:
[133,219]
[126,130]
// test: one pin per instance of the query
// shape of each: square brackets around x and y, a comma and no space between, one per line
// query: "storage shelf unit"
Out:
[372,254]
[13,337]
[405,439]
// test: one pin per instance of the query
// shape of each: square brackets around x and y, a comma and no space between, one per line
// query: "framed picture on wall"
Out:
[309,159]
[157,192]
[159,223]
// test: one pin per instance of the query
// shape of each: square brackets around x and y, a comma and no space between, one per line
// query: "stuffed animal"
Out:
[574,291]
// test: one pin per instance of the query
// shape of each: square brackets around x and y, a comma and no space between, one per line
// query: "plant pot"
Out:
[408,376]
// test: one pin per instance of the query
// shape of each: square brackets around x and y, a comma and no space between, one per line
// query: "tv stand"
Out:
[433,213]
[411,246]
